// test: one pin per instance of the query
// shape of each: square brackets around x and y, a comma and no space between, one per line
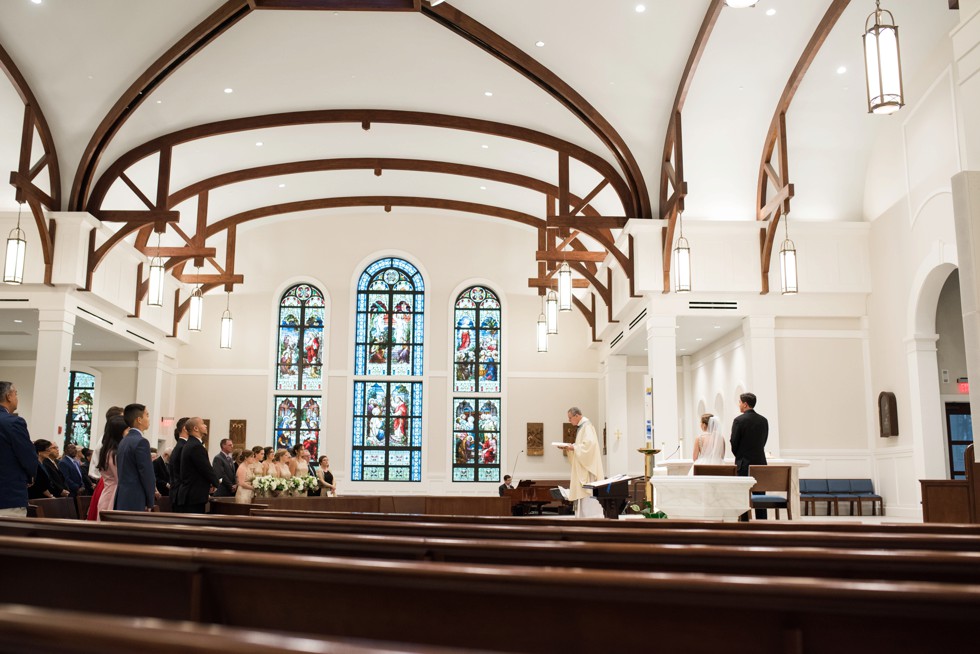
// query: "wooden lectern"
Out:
[613,496]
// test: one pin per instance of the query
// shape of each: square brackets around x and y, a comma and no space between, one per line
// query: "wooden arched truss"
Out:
[673,187]
[28,169]
[774,190]
[160,211]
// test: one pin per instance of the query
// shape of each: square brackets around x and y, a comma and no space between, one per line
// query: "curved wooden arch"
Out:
[672,160]
[167,142]
[193,42]
[495,45]
[772,209]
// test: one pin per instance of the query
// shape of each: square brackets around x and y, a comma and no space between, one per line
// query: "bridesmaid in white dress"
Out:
[244,476]
[709,447]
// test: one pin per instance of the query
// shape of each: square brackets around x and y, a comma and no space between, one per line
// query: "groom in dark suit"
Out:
[197,477]
[750,431]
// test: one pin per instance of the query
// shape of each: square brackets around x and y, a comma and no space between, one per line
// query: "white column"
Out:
[662,365]
[149,391]
[966,215]
[55,332]
[618,458]
[688,423]
[928,447]
[760,349]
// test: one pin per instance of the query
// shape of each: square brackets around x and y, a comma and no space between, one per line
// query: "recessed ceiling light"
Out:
[540,44]
[159,101]
[19,321]
[488,93]
[282,186]
[78,344]
[229,90]
[770,12]
[259,144]
[37,2]
[483,188]
[717,326]
[683,349]
[699,339]
[741,4]
[841,70]
[640,9]
[485,146]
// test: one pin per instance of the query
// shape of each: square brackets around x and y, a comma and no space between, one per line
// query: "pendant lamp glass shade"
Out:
[682,266]
[552,312]
[882,62]
[226,326]
[741,4]
[13,262]
[154,296]
[542,333]
[195,310]
[787,268]
[564,287]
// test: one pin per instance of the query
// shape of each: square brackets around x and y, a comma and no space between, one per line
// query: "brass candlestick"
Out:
[650,456]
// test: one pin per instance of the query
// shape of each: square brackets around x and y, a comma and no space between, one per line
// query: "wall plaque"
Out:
[535,439]
[236,432]
[887,414]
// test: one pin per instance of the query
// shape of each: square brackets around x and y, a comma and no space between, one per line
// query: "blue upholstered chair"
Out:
[864,491]
[813,491]
[840,489]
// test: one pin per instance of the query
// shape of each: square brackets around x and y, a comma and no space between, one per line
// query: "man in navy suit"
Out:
[135,489]
[18,458]
[750,431]
[71,470]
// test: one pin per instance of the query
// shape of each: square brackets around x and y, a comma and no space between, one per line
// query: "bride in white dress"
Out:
[709,447]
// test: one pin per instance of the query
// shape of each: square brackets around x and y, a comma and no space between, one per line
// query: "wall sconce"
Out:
[882,63]
[13,264]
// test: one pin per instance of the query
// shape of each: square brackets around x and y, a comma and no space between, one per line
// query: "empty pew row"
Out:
[470,606]
[568,531]
[29,630]
[757,525]
[897,565]
[414,504]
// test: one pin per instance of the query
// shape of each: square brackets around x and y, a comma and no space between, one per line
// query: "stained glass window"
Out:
[387,431]
[297,420]
[390,313]
[299,363]
[81,399]
[477,341]
[476,439]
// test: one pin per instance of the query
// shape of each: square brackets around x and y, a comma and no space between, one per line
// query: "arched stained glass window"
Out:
[81,400]
[388,344]
[476,380]
[299,364]
[390,313]
[477,342]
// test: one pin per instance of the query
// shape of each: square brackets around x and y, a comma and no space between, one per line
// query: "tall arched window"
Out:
[476,383]
[299,368]
[81,400]
[387,438]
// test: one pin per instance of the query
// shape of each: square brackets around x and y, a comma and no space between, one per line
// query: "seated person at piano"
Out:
[505,486]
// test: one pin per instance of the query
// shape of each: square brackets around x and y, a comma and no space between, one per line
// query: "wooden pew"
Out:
[570,532]
[758,525]
[416,504]
[486,606]
[29,630]
[945,567]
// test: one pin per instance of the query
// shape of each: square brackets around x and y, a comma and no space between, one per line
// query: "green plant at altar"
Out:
[646,510]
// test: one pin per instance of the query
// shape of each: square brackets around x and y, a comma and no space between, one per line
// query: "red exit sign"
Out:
[963,384]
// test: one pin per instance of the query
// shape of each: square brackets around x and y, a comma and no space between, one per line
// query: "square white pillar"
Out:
[966,216]
[55,334]
[662,365]
[760,349]
[618,457]
[928,453]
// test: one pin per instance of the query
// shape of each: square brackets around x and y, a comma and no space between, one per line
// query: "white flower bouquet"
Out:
[268,485]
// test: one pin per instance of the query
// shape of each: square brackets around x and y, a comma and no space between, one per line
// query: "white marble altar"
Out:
[702,497]
[680,467]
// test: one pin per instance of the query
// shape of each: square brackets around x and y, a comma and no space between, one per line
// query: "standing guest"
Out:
[279,467]
[96,472]
[180,435]
[224,467]
[115,431]
[161,471]
[244,476]
[86,463]
[505,486]
[71,471]
[586,465]
[197,477]
[325,477]
[750,431]
[49,482]
[258,467]
[18,458]
[133,462]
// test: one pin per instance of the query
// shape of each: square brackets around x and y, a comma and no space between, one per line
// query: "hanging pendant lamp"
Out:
[552,312]
[882,62]
[226,325]
[564,287]
[154,295]
[789,284]
[682,261]
[542,330]
[195,310]
[13,263]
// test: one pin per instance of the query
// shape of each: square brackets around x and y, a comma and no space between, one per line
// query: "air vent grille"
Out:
[616,340]
[724,305]
[98,317]
[635,321]
[142,338]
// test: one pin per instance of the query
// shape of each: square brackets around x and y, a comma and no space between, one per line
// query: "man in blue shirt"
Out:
[18,458]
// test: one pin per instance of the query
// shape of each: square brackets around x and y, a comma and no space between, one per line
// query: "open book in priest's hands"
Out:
[607,481]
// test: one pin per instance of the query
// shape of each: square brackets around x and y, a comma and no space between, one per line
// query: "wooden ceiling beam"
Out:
[181,251]
[552,283]
[770,208]
[570,255]
[338,5]
[150,216]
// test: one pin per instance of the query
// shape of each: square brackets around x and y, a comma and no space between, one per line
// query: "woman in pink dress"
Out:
[245,476]
[116,429]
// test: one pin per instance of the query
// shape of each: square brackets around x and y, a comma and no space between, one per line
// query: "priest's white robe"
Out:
[586,460]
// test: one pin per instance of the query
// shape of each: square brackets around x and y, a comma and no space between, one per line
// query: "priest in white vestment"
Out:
[586,459]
